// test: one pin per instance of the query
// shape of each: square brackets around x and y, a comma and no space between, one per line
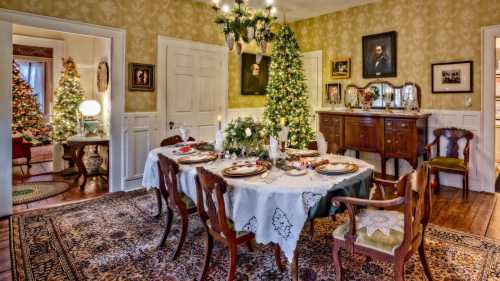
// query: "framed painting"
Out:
[334,93]
[141,77]
[380,55]
[341,68]
[254,76]
[102,76]
[452,77]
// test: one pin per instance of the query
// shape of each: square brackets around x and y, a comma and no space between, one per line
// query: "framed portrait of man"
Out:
[141,77]
[380,55]
[254,76]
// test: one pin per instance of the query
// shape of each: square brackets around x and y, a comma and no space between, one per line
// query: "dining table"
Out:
[274,205]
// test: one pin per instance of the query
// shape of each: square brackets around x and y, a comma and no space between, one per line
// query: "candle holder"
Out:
[387,98]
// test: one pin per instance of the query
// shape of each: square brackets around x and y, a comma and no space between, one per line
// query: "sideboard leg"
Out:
[357,154]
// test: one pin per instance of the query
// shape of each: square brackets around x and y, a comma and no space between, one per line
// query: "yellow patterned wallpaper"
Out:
[143,21]
[429,31]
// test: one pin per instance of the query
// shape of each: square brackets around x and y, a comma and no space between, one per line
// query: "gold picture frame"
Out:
[341,68]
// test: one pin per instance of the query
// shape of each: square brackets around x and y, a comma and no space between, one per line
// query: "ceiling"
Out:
[295,10]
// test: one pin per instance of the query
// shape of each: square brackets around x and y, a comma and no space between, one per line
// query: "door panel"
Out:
[313,65]
[195,89]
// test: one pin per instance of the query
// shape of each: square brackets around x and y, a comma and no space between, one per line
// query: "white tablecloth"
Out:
[275,207]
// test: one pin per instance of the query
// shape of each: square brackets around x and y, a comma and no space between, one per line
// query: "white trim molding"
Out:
[488,57]
[6,118]
[117,78]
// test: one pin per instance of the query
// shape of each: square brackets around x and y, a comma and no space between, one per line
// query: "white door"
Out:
[6,118]
[313,65]
[196,87]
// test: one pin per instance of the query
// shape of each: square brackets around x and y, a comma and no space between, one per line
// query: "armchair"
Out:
[387,235]
[450,162]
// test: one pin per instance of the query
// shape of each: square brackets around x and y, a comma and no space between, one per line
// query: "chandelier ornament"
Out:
[241,24]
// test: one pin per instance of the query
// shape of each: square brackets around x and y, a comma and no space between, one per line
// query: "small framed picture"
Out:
[452,77]
[141,77]
[341,68]
[334,93]
[380,55]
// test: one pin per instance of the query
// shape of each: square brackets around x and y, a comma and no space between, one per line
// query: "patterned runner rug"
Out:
[115,237]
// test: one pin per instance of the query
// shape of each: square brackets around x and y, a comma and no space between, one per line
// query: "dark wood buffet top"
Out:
[396,135]
[376,113]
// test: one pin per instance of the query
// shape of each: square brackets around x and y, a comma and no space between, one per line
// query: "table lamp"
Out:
[89,110]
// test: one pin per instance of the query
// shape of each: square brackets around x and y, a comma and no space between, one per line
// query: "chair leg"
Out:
[399,271]
[423,260]
[158,199]
[336,260]
[185,221]
[209,244]
[168,227]
[465,189]
[438,182]
[248,243]
[233,259]
[311,227]
[277,257]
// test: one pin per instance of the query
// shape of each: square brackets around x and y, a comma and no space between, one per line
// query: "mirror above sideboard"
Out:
[405,96]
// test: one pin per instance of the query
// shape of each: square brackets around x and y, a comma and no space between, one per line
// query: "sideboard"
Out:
[391,135]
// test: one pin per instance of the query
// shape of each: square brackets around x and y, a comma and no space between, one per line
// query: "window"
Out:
[33,72]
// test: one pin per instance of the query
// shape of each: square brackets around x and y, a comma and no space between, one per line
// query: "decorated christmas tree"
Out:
[68,97]
[27,120]
[287,98]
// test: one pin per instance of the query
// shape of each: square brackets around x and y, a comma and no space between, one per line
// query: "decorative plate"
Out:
[245,170]
[337,168]
[302,153]
[182,151]
[197,158]
[295,172]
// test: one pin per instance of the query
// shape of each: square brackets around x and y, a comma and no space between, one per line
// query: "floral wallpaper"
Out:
[143,21]
[429,31]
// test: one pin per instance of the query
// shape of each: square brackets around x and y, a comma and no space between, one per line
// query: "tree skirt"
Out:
[115,237]
[34,191]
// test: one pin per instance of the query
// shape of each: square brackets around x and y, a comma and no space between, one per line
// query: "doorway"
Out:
[192,87]
[116,36]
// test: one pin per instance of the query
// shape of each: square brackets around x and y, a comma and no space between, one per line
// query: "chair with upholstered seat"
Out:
[212,210]
[388,235]
[21,149]
[176,200]
[451,162]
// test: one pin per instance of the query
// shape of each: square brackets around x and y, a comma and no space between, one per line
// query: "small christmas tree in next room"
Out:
[287,97]
[27,120]
[68,97]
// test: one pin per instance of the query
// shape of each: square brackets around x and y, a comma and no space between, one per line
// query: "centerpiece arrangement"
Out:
[245,136]
[367,97]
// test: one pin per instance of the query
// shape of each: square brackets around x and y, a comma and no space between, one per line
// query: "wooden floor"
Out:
[479,215]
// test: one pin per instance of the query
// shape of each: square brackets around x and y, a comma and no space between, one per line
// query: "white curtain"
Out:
[33,72]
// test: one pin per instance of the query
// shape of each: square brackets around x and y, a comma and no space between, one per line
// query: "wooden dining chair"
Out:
[176,200]
[218,226]
[173,140]
[450,162]
[166,142]
[403,232]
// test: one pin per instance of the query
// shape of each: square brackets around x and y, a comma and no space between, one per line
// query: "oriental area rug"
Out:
[116,237]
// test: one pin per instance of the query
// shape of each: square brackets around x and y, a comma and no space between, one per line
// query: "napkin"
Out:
[273,147]
[283,133]
[322,144]
[219,141]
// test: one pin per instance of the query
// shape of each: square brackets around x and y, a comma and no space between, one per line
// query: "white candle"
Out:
[219,119]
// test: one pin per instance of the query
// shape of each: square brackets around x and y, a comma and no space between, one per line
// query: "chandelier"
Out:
[241,24]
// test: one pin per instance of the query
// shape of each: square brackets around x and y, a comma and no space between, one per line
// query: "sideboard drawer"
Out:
[398,124]
[363,133]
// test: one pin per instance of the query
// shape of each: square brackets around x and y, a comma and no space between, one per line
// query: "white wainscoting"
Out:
[254,112]
[140,134]
[469,120]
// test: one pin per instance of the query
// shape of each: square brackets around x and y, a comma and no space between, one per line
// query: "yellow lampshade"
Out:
[90,108]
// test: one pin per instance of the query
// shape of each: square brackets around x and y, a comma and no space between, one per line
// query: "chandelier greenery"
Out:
[242,24]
